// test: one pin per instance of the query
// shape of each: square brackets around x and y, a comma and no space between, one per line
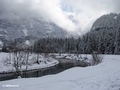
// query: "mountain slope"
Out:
[107,22]
[29,27]
[104,36]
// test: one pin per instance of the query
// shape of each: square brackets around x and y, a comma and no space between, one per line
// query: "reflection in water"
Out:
[63,65]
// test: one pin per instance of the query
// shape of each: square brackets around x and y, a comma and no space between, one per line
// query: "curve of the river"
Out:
[63,65]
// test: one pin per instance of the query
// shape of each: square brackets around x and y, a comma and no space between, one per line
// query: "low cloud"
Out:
[72,15]
[87,11]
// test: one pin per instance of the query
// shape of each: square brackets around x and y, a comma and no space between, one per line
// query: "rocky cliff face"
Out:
[26,27]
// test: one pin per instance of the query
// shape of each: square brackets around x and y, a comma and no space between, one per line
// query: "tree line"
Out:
[102,41]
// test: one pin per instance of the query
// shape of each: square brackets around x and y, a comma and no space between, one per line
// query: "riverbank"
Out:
[104,76]
[63,64]
[7,66]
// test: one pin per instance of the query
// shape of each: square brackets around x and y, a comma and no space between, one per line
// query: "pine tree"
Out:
[117,42]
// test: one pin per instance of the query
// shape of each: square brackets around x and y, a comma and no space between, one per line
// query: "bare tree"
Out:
[18,59]
[97,58]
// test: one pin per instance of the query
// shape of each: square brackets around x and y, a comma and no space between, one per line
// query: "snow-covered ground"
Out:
[80,57]
[44,62]
[104,76]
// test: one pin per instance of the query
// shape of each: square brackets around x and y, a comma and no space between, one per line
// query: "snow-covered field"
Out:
[104,76]
[44,62]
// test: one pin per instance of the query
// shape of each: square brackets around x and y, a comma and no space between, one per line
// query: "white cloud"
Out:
[87,11]
[53,12]
[83,12]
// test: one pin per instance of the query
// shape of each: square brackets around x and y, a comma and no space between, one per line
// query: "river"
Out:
[63,65]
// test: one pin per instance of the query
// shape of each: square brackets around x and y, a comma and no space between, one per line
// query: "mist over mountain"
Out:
[29,27]
[21,27]
[21,19]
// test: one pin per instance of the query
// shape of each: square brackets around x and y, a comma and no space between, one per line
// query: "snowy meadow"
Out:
[103,76]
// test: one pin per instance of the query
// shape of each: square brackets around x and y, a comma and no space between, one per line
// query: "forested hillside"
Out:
[104,37]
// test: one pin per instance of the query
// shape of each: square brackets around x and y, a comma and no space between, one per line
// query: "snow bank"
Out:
[80,57]
[44,63]
[104,76]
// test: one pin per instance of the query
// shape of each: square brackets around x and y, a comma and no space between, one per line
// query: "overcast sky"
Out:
[72,15]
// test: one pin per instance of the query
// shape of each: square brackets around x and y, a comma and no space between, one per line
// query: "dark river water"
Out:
[63,65]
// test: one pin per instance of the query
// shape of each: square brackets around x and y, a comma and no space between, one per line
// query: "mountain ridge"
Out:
[26,27]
